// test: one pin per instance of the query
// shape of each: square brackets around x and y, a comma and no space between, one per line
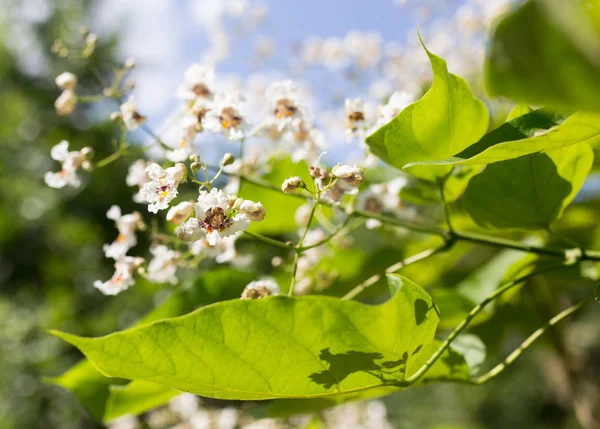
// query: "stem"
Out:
[393,268]
[332,234]
[109,159]
[494,372]
[298,248]
[268,240]
[445,204]
[294,271]
[474,312]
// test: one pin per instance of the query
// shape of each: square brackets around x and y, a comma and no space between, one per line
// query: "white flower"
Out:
[283,99]
[66,80]
[308,142]
[227,116]
[255,211]
[350,174]
[71,162]
[131,117]
[162,188]
[137,176]
[190,125]
[214,219]
[261,289]
[127,225]
[123,277]
[223,250]
[197,82]
[398,101]
[185,405]
[66,102]
[163,266]
[381,197]
[355,116]
[180,213]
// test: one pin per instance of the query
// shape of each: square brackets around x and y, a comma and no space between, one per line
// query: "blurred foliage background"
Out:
[50,254]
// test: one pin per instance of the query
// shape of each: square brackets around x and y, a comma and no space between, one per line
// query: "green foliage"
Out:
[530,192]
[445,121]
[280,347]
[108,398]
[548,52]
[519,110]
[426,192]
[281,207]
[534,132]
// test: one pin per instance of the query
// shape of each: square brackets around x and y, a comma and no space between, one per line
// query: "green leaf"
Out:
[519,110]
[280,207]
[472,349]
[107,398]
[135,398]
[548,52]
[91,388]
[427,192]
[530,192]
[446,120]
[450,363]
[535,132]
[280,347]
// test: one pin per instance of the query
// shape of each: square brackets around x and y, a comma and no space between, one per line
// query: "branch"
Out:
[474,312]
[397,266]
[494,372]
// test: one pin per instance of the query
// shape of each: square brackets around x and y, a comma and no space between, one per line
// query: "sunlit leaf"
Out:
[519,110]
[444,122]
[534,132]
[107,398]
[279,347]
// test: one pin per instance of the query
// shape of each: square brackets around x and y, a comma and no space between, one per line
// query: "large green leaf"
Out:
[548,52]
[107,398]
[534,132]
[530,192]
[445,121]
[280,347]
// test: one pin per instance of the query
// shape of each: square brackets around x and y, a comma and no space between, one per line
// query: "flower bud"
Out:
[352,175]
[115,116]
[290,185]
[195,158]
[228,159]
[66,80]
[255,211]
[86,165]
[180,213]
[129,63]
[66,102]
[236,203]
[195,167]
[178,171]
[87,152]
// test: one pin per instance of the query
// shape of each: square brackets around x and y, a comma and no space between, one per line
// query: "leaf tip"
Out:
[69,338]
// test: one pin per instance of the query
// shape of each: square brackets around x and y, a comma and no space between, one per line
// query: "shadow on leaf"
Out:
[341,365]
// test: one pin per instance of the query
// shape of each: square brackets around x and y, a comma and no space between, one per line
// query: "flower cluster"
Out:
[217,217]
[71,162]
